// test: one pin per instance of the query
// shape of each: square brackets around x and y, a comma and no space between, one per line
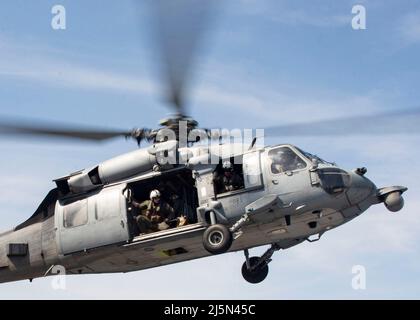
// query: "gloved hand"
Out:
[155,218]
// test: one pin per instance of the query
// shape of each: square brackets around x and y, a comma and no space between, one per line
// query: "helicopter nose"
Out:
[361,188]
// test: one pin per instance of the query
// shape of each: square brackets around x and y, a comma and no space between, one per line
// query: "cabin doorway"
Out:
[178,195]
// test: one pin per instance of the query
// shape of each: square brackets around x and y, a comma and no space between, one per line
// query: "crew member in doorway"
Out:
[154,213]
[229,179]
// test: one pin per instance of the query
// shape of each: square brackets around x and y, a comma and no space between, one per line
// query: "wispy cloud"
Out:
[64,74]
[219,89]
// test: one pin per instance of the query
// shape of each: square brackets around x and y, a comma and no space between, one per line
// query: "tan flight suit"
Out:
[153,215]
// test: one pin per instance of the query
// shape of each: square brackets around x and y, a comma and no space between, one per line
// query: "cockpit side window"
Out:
[284,159]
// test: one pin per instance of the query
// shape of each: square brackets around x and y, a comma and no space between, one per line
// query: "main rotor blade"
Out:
[180,26]
[20,128]
[402,122]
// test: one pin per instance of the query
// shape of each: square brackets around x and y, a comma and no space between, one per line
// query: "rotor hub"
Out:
[178,124]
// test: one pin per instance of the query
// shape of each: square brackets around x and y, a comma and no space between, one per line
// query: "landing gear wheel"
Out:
[217,239]
[257,275]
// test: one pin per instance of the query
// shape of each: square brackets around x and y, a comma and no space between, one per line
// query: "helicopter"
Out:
[285,196]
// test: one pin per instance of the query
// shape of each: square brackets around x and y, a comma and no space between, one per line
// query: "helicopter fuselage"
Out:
[85,225]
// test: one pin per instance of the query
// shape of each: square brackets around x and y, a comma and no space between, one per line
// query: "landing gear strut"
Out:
[218,238]
[255,269]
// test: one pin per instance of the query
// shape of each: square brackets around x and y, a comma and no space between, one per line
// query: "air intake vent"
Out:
[17,250]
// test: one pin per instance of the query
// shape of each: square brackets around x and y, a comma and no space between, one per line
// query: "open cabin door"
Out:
[96,220]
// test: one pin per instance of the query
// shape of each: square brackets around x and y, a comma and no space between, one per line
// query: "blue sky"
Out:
[263,63]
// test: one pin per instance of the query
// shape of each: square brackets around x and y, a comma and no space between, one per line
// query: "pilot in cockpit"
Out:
[284,160]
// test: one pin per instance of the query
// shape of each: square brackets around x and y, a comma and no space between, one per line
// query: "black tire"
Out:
[217,239]
[257,275]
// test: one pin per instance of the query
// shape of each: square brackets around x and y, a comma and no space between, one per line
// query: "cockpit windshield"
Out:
[284,159]
[313,158]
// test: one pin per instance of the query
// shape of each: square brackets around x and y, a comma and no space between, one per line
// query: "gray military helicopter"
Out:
[286,195]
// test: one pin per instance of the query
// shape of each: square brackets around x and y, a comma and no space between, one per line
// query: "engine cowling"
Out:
[116,169]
